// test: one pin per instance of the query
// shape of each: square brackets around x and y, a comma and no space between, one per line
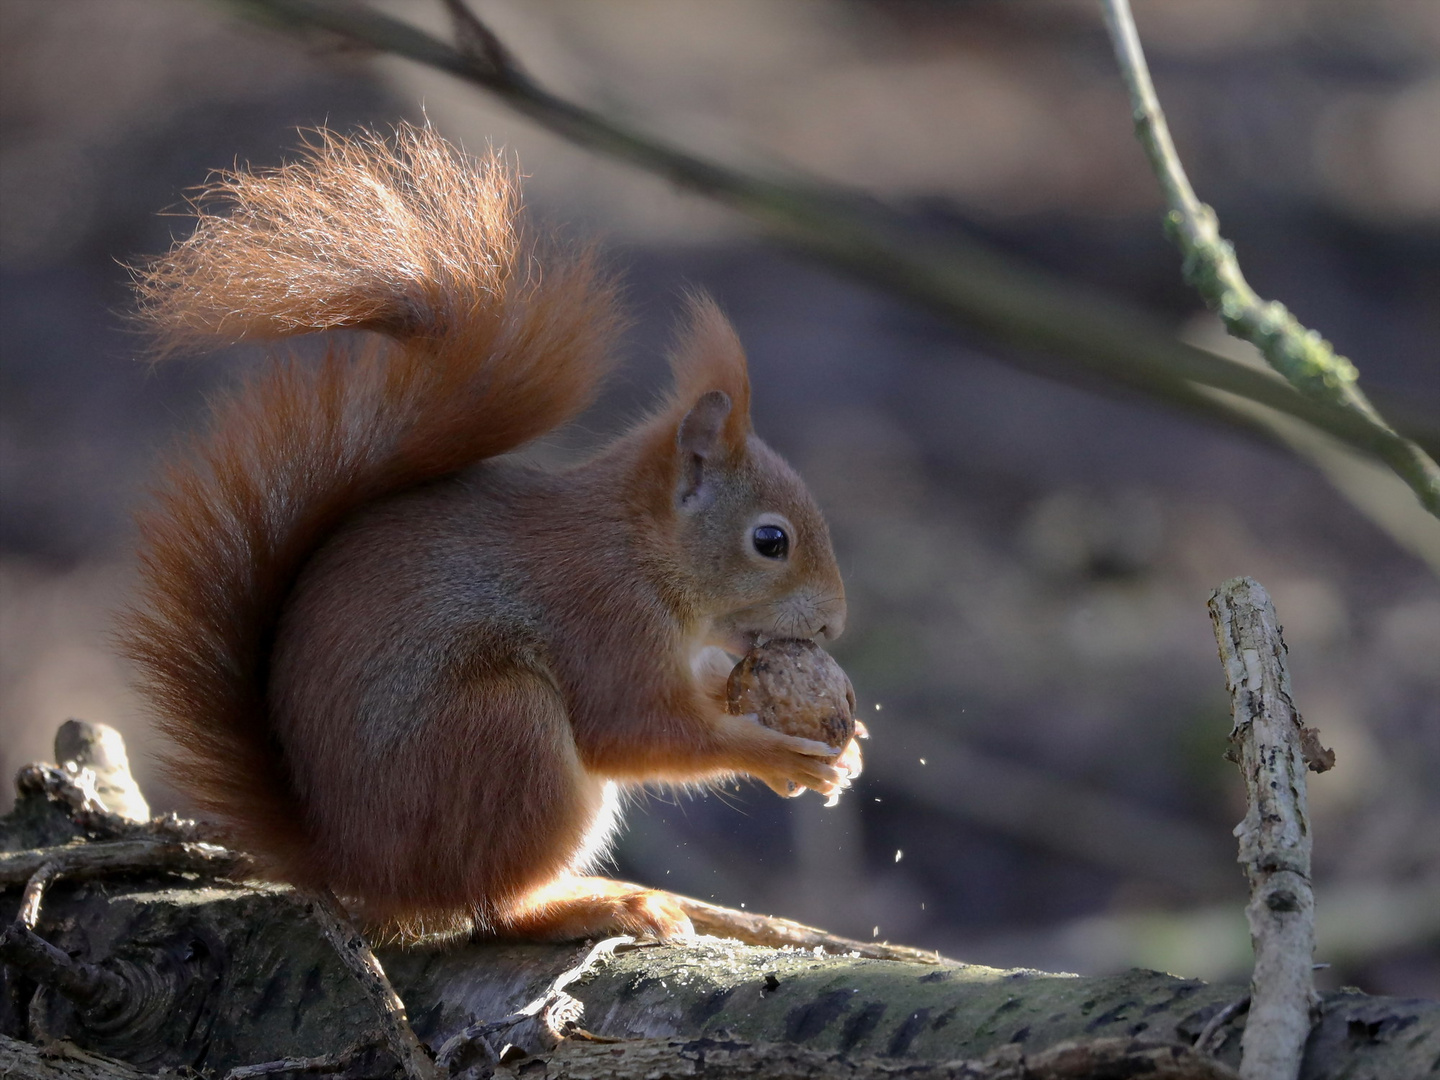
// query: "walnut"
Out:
[794,686]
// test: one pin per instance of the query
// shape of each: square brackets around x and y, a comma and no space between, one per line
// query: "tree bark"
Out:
[228,975]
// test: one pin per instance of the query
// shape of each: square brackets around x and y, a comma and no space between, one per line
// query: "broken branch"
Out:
[1275,836]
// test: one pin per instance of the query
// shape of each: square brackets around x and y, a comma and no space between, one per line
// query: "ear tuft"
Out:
[707,359]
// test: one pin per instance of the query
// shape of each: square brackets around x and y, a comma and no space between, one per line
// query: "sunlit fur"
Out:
[404,236]
[388,664]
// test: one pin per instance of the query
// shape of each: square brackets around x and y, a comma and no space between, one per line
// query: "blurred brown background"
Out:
[1028,561]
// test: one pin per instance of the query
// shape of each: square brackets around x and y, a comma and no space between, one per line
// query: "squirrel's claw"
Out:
[849,762]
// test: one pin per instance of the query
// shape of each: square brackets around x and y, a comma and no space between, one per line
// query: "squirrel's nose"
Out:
[834,616]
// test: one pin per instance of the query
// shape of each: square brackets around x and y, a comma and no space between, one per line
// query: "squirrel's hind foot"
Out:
[586,907]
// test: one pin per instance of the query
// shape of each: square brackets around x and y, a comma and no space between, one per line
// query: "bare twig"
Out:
[34,892]
[1368,483]
[1305,358]
[492,59]
[958,277]
[350,945]
[1206,1042]
[1275,835]
[88,986]
[94,858]
[94,989]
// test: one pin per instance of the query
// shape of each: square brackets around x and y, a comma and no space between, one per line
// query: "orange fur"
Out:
[406,238]
[409,685]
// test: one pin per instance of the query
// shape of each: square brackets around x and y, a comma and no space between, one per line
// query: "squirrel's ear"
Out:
[700,440]
[708,362]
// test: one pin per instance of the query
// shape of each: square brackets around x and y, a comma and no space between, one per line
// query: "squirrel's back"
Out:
[480,351]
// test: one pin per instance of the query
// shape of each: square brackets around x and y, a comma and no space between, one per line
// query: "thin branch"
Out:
[491,57]
[94,989]
[93,859]
[1301,355]
[1212,1035]
[957,277]
[1268,743]
[34,893]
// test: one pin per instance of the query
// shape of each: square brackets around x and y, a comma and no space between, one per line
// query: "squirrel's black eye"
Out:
[771,541]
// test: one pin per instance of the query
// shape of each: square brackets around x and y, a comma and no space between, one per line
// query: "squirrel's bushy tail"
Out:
[403,236]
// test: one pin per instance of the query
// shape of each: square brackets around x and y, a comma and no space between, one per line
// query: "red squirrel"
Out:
[394,663]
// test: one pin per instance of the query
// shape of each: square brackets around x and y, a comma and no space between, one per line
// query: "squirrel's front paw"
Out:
[795,764]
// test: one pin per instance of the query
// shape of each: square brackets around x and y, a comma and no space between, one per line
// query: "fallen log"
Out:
[221,974]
